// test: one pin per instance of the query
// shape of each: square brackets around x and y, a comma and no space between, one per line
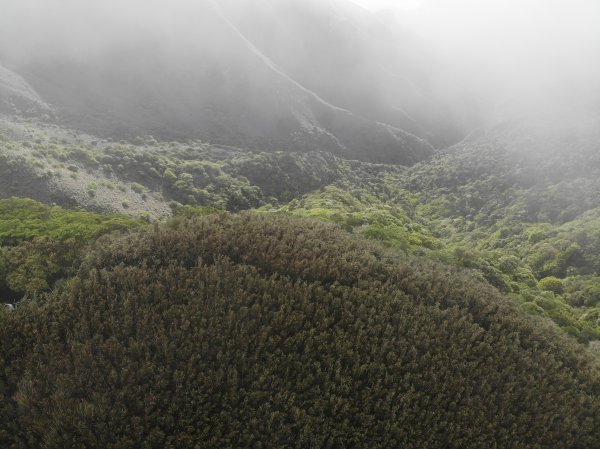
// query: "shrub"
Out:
[551,284]
[138,188]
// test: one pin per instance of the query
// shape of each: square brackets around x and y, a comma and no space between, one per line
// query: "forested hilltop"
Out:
[254,330]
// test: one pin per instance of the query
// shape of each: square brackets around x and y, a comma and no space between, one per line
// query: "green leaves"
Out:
[552,284]
[22,219]
[41,243]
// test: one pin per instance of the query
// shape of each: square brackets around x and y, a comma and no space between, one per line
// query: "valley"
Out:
[527,225]
[300,224]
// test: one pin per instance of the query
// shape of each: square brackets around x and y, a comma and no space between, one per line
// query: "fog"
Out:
[483,60]
[518,55]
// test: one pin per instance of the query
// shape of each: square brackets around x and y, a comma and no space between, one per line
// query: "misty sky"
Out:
[517,53]
[522,52]
[389,4]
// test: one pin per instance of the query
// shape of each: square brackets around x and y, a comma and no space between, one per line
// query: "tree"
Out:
[552,284]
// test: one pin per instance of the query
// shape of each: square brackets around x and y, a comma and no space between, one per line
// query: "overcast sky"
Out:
[385,4]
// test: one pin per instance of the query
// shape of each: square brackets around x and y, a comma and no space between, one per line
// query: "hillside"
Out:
[165,77]
[355,60]
[246,330]
[52,164]
[517,203]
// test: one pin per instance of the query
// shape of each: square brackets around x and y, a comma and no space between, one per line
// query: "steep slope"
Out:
[52,164]
[353,59]
[194,75]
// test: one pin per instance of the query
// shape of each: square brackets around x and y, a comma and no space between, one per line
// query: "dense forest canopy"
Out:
[258,331]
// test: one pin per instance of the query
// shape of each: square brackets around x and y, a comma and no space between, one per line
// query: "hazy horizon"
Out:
[508,57]
[514,51]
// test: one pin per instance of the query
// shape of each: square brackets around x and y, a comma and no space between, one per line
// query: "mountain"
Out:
[353,59]
[316,82]
[263,223]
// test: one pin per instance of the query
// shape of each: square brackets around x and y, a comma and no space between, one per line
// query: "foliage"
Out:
[259,330]
[22,219]
[34,265]
[41,243]
[552,284]
[513,216]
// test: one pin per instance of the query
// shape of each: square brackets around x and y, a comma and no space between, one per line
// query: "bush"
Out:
[551,284]
[138,188]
